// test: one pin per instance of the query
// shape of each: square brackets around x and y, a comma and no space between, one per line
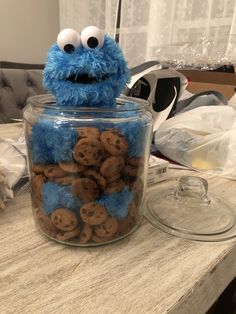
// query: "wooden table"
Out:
[148,272]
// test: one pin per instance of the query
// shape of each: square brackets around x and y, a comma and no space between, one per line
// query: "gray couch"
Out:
[18,81]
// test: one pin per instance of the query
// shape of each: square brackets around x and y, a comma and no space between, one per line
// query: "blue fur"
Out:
[135,133]
[117,203]
[134,129]
[51,142]
[56,196]
[106,60]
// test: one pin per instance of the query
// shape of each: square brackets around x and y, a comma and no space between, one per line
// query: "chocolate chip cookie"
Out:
[66,235]
[86,233]
[38,181]
[93,213]
[97,177]
[45,223]
[114,187]
[38,168]
[126,225]
[107,229]
[112,166]
[88,152]
[114,142]
[95,238]
[85,189]
[64,219]
[72,167]
[54,171]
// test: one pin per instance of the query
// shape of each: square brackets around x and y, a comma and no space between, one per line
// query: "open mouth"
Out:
[85,79]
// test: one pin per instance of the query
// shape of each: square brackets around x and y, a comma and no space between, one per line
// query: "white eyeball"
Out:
[92,37]
[68,40]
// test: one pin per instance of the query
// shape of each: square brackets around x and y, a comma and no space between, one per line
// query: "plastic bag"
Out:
[203,139]
[12,169]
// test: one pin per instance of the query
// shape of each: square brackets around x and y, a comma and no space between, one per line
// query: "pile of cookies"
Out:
[100,167]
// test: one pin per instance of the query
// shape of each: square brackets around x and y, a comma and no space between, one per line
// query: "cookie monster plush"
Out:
[85,70]
[82,70]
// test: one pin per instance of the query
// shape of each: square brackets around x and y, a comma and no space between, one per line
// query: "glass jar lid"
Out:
[186,209]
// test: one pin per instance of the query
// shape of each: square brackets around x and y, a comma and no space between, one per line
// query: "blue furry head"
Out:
[85,70]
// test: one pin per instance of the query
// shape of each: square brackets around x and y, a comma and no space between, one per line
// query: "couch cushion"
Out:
[18,65]
[16,85]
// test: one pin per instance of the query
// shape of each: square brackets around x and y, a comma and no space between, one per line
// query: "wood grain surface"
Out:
[148,272]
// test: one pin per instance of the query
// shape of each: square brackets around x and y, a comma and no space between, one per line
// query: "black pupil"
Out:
[69,48]
[92,42]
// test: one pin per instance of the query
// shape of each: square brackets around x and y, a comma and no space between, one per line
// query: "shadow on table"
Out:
[226,304]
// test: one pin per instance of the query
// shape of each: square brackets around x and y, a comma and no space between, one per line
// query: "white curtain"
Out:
[78,14]
[185,32]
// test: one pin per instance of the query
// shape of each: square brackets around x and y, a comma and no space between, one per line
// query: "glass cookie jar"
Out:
[88,168]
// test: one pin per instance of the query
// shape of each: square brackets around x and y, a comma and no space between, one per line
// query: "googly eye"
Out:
[92,37]
[68,40]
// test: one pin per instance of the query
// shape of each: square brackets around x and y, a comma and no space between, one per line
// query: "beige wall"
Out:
[27,29]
